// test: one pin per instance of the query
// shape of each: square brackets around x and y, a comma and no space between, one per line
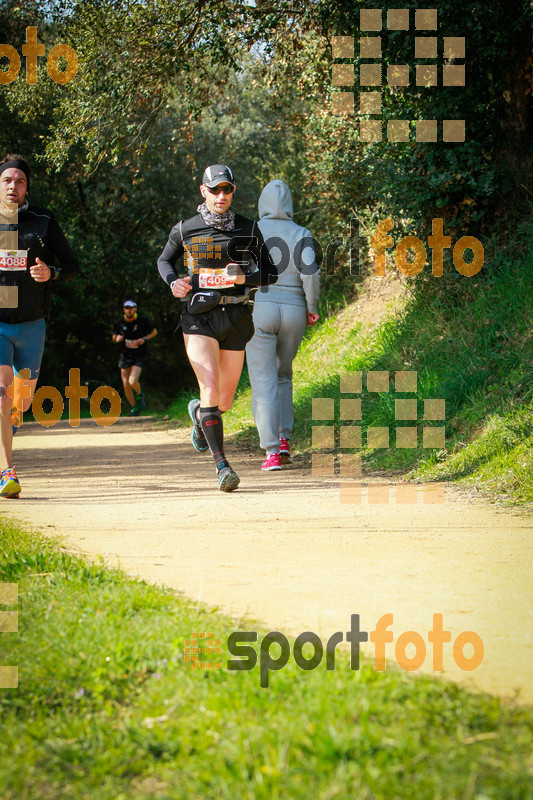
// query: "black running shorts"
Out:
[130,359]
[231,325]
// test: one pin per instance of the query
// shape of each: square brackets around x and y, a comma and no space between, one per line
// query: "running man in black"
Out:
[133,330]
[225,253]
[34,254]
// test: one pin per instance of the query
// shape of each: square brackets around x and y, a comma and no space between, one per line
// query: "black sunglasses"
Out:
[228,189]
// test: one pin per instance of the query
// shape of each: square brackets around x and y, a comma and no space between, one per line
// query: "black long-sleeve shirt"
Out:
[38,233]
[211,248]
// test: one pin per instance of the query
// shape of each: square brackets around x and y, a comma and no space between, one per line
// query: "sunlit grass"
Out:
[108,708]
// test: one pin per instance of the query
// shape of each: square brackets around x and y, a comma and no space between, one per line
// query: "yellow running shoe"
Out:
[9,483]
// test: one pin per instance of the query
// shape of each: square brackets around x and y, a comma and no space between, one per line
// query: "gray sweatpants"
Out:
[279,328]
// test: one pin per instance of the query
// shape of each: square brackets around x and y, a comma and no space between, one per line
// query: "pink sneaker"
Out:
[285,451]
[271,463]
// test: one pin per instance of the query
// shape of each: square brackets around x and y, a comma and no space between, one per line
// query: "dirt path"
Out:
[283,549]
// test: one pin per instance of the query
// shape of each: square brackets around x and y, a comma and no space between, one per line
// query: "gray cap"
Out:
[130,304]
[218,173]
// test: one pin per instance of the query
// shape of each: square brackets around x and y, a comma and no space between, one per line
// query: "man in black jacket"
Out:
[226,252]
[33,253]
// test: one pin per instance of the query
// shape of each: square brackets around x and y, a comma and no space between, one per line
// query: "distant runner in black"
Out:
[225,256]
[133,330]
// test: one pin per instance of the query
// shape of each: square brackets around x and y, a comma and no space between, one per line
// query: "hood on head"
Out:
[275,201]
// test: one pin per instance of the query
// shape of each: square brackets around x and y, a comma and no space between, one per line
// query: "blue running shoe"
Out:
[199,442]
[227,479]
[9,483]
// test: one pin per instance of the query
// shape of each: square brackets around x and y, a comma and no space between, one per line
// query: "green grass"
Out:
[470,342]
[107,708]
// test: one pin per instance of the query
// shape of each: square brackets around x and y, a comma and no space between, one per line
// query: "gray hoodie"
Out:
[295,286]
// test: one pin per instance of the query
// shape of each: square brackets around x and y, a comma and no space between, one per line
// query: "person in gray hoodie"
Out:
[280,317]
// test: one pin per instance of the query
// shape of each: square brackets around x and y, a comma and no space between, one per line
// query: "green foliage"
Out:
[469,340]
[165,87]
[464,183]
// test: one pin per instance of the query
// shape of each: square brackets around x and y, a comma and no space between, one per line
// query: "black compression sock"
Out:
[212,427]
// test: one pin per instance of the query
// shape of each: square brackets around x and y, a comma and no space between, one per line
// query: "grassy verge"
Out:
[107,707]
[470,342]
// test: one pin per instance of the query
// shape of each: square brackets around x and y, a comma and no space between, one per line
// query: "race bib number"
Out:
[215,279]
[132,343]
[13,260]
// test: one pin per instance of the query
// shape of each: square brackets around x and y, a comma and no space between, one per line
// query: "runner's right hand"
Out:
[181,286]
[235,272]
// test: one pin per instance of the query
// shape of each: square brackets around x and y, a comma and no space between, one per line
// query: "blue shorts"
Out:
[22,345]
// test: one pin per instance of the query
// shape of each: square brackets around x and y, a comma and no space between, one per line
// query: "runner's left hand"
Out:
[40,271]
